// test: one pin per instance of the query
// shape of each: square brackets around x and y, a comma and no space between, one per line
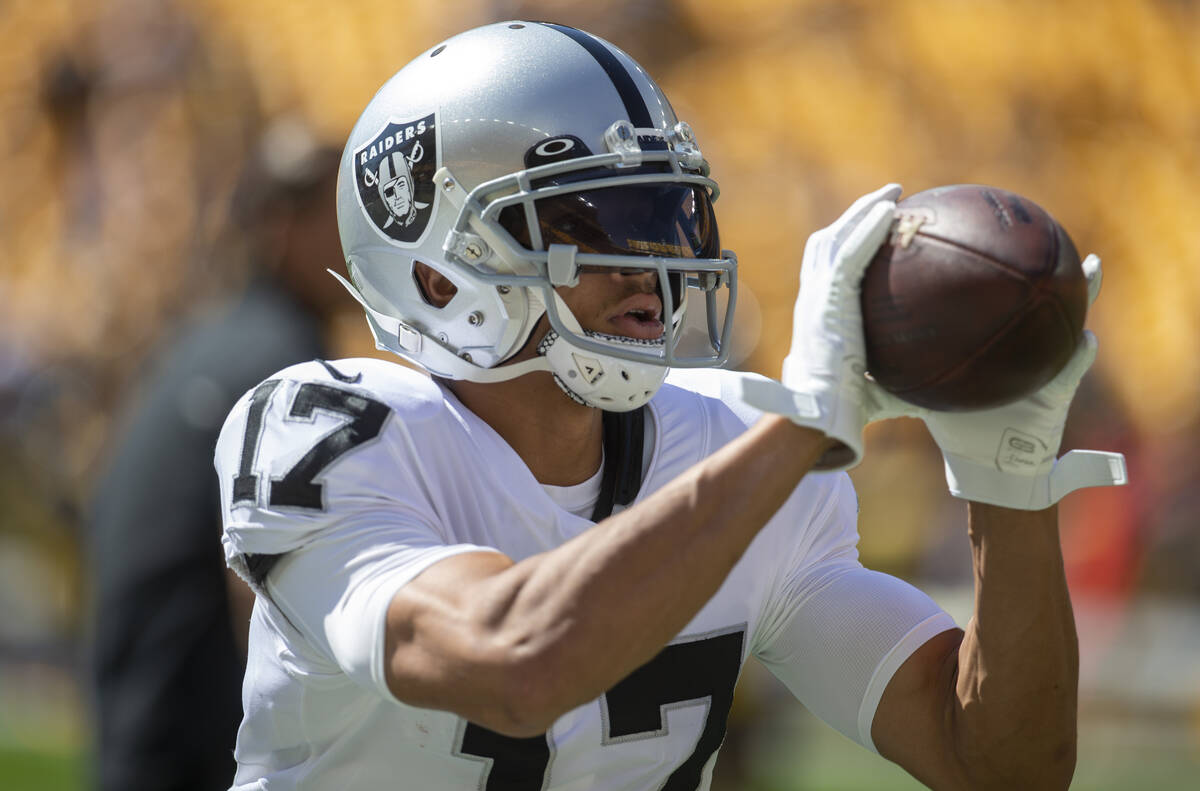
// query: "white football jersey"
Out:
[362,473]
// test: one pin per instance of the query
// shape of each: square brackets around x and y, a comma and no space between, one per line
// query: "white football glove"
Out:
[1006,456]
[823,383]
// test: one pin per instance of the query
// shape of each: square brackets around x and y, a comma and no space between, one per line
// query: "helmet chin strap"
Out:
[593,378]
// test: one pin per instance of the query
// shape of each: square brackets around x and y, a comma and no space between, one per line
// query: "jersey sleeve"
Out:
[325,477]
[336,590]
[721,384]
[836,632]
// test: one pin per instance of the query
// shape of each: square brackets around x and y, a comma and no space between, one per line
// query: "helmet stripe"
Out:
[635,105]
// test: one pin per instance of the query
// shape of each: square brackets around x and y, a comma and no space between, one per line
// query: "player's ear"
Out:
[435,287]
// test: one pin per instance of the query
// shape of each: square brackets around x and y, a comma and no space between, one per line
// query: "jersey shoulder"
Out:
[717,388]
[403,389]
[704,407]
[319,438]
[327,385]
[694,413]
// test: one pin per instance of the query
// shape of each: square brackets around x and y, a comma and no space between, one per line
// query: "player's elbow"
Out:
[1056,768]
[515,719]
[519,722]
[1061,767]
[1048,769]
[1047,777]
[497,687]
[527,691]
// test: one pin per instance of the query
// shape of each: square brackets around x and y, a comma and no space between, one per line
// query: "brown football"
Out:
[976,299]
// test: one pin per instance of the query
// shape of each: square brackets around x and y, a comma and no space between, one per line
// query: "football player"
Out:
[540,566]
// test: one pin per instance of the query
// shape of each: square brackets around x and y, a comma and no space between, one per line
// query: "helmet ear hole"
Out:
[435,288]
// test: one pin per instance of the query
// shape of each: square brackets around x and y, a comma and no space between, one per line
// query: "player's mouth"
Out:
[639,316]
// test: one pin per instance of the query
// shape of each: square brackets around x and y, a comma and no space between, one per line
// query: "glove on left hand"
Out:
[1006,456]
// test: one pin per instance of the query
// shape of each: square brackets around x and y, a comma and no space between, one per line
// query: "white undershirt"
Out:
[579,499]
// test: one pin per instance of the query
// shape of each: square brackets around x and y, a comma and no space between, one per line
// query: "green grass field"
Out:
[820,761]
[44,744]
[806,756]
[26,769]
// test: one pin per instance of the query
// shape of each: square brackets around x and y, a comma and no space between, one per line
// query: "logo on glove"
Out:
[1019,452]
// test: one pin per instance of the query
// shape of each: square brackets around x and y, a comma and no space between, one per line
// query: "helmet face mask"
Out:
[670,220]
[515,210]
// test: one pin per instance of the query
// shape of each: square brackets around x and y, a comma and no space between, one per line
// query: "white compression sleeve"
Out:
[845,641]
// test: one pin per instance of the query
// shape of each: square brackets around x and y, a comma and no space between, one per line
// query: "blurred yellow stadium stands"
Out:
[1089,108]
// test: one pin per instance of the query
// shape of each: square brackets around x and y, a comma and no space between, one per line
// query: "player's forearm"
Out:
[591,611]
[1015,717]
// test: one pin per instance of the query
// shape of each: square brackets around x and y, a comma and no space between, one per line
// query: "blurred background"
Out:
[129,130]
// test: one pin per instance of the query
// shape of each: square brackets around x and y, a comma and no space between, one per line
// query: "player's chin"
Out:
[633,326]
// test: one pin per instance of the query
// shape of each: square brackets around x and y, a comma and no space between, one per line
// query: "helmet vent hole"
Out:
[606,399]
[516,27]
[437,51]
[625,375]
[434,287]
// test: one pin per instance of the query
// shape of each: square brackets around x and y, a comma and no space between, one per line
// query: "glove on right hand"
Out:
[823,381]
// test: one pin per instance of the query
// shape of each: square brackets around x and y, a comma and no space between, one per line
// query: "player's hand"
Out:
[823,382]
[1007,456]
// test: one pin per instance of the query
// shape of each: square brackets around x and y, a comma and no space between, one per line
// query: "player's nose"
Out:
[647,279]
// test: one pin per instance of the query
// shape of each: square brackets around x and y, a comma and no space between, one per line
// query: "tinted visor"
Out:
[669,220]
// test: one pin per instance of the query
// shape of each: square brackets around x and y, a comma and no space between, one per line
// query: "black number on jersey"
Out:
[245,483]
[698,672]
[297,487]
[705,671]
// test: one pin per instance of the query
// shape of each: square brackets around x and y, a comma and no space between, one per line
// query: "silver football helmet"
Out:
[509,158]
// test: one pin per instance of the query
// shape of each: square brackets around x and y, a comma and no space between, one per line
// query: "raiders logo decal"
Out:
[394,174]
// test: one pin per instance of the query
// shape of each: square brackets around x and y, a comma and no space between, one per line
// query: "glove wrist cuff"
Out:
[840,421]
[1077,469]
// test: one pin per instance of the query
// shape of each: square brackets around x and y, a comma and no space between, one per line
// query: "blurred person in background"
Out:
[123,132]
[169,623]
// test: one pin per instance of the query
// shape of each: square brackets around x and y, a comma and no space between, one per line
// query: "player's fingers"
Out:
[1078,365]
[865,239]
[1094,274]
[859,209]
[882,405]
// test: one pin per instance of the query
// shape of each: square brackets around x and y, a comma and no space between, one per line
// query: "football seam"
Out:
[990,259]
[1052,266]
[1039,296]
[1064,316]
[939,377]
